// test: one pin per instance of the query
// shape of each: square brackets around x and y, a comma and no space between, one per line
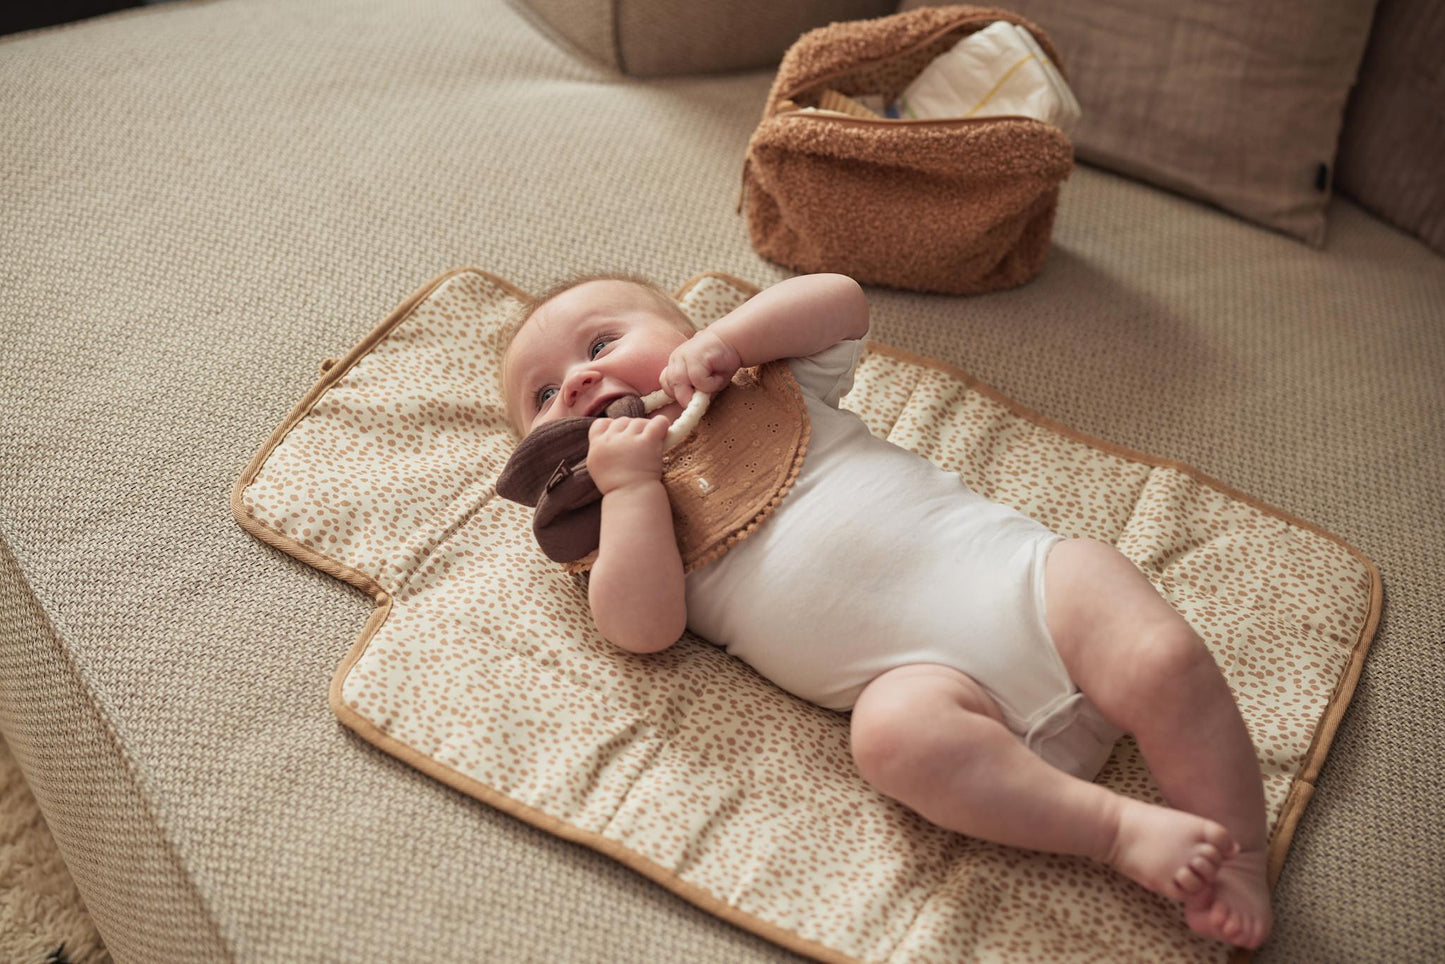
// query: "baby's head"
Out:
[586,342]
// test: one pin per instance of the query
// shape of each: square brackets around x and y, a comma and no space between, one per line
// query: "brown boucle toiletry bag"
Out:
[960,206]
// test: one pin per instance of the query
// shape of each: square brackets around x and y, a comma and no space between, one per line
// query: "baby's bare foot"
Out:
[1171,852]
[1238,912]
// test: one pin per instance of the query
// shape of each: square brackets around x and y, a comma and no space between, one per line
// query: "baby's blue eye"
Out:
[597,347]
[544,395]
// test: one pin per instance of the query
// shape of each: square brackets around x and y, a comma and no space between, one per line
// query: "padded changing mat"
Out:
[480,664]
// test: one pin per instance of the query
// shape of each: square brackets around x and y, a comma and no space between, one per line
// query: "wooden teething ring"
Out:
[686,422]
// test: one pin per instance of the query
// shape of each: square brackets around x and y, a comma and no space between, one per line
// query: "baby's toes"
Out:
[1190,882]
[1220,840]
[1213,928]
[1242,929]
[1206,864]
[1226,923]
[1236,930]
[1200,918]
[1201,869]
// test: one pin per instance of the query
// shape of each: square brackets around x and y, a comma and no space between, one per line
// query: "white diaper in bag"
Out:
[999,70]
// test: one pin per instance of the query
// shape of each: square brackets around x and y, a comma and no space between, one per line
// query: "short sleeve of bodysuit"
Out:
[828,375]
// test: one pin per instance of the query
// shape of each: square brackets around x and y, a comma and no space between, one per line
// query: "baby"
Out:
[989,664]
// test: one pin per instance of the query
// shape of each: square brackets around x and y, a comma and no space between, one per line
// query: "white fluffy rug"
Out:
[42,918]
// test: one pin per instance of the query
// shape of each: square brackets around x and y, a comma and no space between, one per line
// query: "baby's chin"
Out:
[672,410]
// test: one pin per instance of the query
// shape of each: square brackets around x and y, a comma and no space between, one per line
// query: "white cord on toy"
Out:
[686,422]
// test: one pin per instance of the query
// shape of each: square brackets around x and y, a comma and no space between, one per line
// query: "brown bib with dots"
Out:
[727,477]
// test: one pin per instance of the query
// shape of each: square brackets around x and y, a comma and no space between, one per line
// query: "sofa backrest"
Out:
[653,38]
[1386,156]
[1392,148]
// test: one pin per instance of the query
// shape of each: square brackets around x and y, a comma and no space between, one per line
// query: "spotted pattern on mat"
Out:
[484,667]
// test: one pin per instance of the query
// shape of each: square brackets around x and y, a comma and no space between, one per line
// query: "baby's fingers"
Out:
[675,382]
[644,427]
[610,429]
[621,429]
[702,373]
[598,427]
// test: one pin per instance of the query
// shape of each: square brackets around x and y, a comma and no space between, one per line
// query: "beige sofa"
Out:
[201,201]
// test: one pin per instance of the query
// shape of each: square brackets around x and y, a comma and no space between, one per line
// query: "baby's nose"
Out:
[577,383]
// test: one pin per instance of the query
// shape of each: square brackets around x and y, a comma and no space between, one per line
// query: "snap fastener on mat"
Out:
[480,664]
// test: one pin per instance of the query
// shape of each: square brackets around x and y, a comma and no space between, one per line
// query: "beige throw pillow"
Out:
[1234,103]
[1392,151]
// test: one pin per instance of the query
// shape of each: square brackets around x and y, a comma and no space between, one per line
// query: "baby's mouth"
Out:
[597,408]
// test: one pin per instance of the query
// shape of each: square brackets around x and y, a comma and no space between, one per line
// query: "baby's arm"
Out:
[792,319]
[636,587]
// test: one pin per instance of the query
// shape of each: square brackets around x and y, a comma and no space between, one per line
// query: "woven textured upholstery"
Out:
[202,201]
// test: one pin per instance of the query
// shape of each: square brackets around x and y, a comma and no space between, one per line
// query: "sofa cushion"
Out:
[1237,104]
[1392,150]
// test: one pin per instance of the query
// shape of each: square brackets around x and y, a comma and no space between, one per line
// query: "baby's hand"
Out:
[625,451]
[703,363]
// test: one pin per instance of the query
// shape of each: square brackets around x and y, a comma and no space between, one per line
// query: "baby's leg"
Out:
[933,739]
[1149,673]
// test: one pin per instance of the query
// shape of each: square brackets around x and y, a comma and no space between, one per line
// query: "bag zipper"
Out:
[802,114]
[844,71]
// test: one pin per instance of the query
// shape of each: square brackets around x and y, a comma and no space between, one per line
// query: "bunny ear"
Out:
[549,471]
[628,406]
[551,445]
[568,520]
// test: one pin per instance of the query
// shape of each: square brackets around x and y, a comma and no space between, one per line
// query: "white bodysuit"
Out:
[878,558]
